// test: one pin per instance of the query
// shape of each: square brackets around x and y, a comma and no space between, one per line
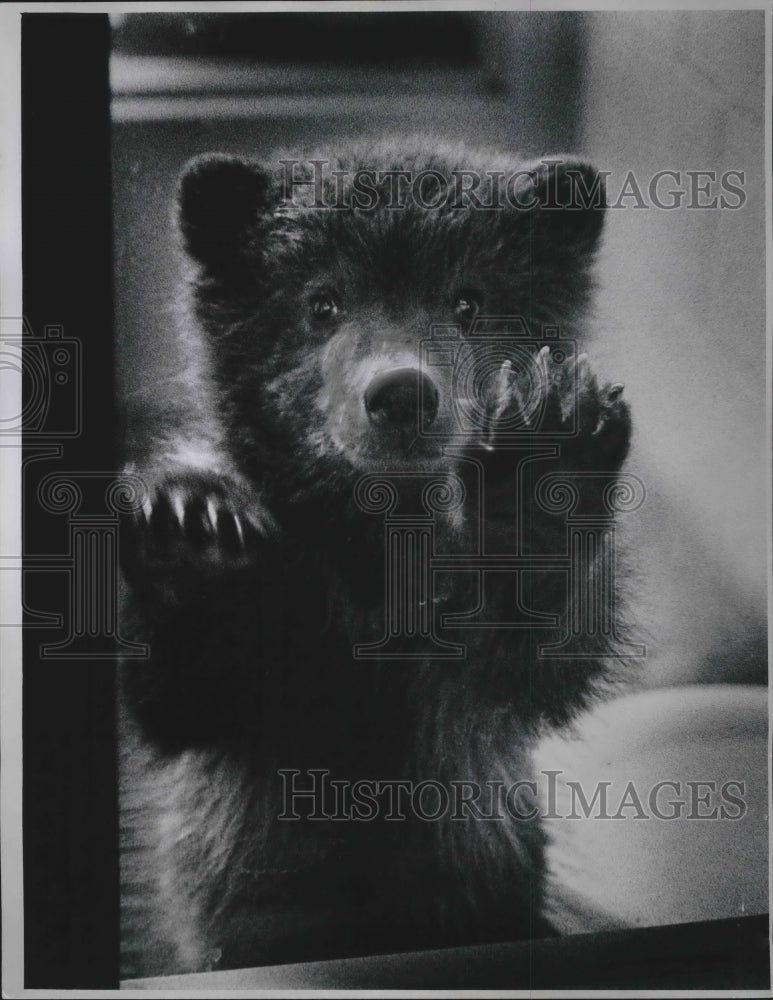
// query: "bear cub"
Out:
[338,322]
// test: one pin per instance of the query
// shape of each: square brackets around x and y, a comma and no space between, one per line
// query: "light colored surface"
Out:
[647,871]
[681,322]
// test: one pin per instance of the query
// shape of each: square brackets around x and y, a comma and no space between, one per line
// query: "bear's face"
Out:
[323,320]
[351,347]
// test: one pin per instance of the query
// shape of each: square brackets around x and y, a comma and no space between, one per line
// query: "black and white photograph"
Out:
[386,506]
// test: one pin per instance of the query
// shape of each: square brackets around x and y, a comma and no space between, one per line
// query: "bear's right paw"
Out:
[193,521]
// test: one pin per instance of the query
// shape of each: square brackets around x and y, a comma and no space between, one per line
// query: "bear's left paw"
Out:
[561,402]
[592,422]
[597,418]
[611,437]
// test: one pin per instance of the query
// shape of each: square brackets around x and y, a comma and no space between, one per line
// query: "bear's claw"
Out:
[593,423]
[194,520]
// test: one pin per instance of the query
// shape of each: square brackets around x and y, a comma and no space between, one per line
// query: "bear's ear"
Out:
[220,200]
[567,200]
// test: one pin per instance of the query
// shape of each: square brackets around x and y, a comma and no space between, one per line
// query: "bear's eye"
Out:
[467,306]
[324,307]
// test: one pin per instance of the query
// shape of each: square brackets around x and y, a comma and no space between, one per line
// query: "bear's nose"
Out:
[400,396]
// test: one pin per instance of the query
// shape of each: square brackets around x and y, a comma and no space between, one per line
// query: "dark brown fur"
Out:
[252,668]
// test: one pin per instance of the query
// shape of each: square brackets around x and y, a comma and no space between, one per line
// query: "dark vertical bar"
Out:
[70,814]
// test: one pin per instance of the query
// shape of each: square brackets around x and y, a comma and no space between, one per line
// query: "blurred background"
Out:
[681,309]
